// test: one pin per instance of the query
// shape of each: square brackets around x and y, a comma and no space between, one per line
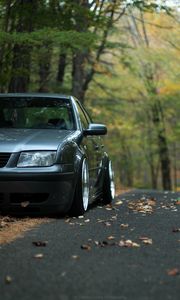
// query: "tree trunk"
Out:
[78,76]
[175,167]
[61,68]
[165,162]
[162,145]
[20,69]
[22,53]
[44,67]
[4,63]
[153,177]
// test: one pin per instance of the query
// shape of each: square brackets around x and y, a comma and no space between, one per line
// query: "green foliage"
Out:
[65,39]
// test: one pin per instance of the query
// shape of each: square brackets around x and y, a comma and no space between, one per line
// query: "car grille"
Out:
[4,157]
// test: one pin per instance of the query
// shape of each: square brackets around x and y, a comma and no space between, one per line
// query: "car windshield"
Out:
[34,112]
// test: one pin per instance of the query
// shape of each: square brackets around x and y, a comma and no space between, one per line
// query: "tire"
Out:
[108,191]
[81,196]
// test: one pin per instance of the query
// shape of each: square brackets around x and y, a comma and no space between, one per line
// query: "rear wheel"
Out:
[108,192]
[81,197]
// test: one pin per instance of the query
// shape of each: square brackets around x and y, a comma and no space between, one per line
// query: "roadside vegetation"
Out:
[121,58]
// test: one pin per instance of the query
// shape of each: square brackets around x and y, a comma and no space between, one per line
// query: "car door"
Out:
[92,147]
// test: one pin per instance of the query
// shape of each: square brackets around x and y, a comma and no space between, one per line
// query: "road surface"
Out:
[128,251]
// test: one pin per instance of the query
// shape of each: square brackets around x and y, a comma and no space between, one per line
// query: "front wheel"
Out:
[108,192]
[81,196]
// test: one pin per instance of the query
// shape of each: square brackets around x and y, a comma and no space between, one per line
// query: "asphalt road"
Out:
[109,267]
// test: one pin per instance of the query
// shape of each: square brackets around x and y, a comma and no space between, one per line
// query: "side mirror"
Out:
[95,129]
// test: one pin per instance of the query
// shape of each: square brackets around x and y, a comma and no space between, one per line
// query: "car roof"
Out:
[35,95]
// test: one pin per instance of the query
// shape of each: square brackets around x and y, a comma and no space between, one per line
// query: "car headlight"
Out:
[36,159]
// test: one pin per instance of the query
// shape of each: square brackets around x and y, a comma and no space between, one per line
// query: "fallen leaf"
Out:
[109,207]
[67,220]
[118,202]
[107,224]
[151,201]
[3,224]
[124,225]
[100,221]
[40,243]
[86,221]
[75,256]
[39,255]
[8,279]
[128,244]
[96,243]
[111,237]
[143,205]
[173,272]
[86,247]
[113,218]
[146,240]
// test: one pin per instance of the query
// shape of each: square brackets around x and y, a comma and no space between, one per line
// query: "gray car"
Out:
[52,159]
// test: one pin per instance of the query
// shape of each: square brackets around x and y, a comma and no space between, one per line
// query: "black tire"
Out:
[108,190]
[81,196]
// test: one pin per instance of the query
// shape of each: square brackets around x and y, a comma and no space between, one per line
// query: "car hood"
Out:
[16,140]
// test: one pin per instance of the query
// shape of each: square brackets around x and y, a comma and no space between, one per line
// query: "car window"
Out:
[85,120]
[45,113]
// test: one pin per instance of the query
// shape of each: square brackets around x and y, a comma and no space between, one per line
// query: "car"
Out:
[52,158]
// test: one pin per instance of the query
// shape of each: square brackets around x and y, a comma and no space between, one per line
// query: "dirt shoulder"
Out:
[12,228]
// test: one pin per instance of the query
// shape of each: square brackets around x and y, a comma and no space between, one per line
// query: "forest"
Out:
[121,58]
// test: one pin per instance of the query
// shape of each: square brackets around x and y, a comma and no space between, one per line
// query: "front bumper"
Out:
[37,190]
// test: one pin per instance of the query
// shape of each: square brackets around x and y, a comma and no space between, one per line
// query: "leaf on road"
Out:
[146,240]
[3,224]
[39,255]
[67,220]
[114,218]
[128,244]
[96,243]
[8,279]
[86,247]
[40,243]
[119,202]
[108,208]
[87,221]
[151,201]
[173,272]
[124,226]
[107,224]
[143,205]
[100,221]
[111,237]
[75,256]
